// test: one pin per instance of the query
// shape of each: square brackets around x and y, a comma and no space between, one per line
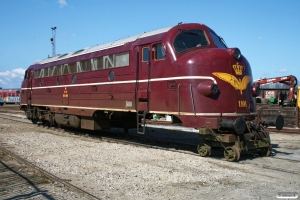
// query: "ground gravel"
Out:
[117,171]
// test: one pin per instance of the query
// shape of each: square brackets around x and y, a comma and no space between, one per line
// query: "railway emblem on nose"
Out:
[238,69]
[238,84]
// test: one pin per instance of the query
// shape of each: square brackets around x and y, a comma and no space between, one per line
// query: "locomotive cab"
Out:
[223,97]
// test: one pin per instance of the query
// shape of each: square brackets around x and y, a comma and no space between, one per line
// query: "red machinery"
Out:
[185,71]
[291,81]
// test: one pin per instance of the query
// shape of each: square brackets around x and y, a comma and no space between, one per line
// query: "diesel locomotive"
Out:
[185,71]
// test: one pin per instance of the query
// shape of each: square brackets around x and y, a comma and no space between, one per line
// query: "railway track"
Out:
[117,137]
[14,108]
[28,183]
[20,179]
[285,130]
[168,145]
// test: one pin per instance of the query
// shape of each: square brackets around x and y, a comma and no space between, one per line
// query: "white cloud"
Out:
[12,78]
[260,37]
[62,3]
[4,74]
[282,70]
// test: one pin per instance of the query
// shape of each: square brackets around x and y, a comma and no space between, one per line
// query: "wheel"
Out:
[238,152]
[204,149]
[265,151]
[232,154]
[45,122]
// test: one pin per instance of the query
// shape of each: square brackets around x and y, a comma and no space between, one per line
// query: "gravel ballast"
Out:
[117,171]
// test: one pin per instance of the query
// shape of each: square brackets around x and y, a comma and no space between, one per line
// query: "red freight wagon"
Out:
[10,96]
[185,71]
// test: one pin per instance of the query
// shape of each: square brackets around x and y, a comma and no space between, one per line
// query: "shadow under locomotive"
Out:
[247,137]
[189,140]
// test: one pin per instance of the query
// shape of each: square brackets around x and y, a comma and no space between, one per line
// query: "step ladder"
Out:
[142,123]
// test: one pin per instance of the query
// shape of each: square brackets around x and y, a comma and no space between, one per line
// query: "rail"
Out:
[47,174]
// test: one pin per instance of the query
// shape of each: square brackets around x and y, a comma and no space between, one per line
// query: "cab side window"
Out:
[145,54]
[159,52]
[26,75]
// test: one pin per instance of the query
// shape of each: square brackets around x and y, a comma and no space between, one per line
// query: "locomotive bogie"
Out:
[230,139]
[235,144]
[100,120]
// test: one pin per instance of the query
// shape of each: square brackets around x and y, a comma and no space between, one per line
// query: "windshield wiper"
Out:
[222,41]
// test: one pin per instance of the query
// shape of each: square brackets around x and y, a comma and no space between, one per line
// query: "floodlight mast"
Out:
[53,40]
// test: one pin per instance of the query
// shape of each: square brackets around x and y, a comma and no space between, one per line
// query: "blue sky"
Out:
[267,32]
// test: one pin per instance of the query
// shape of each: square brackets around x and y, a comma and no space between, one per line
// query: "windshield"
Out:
[188,39]
[219,42]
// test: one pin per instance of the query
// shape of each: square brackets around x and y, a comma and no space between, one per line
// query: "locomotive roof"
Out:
[104,46]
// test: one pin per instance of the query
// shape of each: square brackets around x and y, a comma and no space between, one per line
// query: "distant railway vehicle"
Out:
[281,97]
[10,96]
[185,71]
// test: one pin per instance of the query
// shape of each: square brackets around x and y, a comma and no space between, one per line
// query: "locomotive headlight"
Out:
[235,52]
[207,88]
[256,89]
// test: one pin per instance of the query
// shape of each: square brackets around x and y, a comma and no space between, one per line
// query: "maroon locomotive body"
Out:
[185,71]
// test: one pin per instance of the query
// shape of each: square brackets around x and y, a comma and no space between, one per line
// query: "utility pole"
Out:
[53,40]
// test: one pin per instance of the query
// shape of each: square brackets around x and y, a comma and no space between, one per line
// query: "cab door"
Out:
[27,88]
[143,77]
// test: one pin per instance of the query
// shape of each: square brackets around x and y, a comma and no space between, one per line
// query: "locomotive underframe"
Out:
[101,120]
[254,138]
[234,144]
